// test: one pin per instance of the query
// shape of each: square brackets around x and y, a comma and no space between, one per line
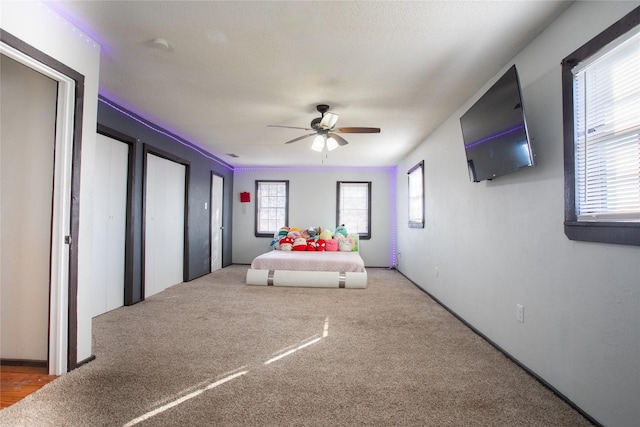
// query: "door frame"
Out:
[211,221]
[63,287]
[129,221]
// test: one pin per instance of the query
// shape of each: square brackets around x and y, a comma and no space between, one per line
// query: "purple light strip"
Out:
[165,133]
[490,137]
[70,22]
[394,205]
[310,168]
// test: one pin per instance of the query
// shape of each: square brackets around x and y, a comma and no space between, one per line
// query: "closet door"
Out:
[164,224]
[110,210]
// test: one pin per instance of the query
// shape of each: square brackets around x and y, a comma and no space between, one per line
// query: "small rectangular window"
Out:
[416,196]
[354,207]
[272,207]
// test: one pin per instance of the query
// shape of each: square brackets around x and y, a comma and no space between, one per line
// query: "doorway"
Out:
[217,197]
[63,200]
[27,157]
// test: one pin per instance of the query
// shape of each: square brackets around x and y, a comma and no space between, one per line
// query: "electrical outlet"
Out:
[520,312]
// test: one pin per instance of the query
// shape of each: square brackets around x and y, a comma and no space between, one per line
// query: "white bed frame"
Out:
[312,279]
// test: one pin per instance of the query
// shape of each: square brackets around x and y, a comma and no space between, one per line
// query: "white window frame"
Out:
[272,207]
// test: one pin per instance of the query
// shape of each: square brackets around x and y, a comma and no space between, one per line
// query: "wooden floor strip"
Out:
[17,382]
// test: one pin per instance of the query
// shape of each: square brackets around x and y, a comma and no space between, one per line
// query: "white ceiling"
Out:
[235,67]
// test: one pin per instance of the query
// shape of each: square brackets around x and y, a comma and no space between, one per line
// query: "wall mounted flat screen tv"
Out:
[494,131]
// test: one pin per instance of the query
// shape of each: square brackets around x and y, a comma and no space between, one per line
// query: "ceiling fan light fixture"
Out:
[328,120]
[318,143]
[332,144]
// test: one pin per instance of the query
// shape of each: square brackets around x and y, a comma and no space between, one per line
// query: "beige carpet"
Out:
[216,352]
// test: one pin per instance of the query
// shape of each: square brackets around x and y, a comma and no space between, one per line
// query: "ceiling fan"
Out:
[326,133]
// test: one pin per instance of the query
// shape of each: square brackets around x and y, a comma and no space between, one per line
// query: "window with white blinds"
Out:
[354,207]
[416,196]
[606,105]
[272,207]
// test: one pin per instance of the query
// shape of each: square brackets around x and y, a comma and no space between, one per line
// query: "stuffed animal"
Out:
[326,234]
[354,241]
[311,244]
[294,234]
[311,232]
[331,245]
[341,229]
[345,244]
[348,243]
[321,245]
[279,235]
[299,244]
[286,244]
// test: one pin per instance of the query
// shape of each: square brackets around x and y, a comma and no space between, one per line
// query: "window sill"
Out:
[620,233]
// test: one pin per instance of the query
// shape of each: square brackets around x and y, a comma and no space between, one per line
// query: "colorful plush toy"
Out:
[311,244]
[326,234]
[321,245]
[345,244]
[294,234]
[312,231]
[354,241]
[341,229]
[286,244]
[299,244]
[331,245]
[279,235]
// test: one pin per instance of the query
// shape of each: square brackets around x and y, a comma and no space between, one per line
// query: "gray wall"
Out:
[501,243]
[312,203]
[199,189]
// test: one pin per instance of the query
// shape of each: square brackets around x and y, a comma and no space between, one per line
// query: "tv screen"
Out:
[494,131]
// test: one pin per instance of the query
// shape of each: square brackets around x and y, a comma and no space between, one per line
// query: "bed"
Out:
[308,269]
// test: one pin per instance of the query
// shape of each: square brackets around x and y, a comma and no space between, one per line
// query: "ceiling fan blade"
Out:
[340,140]
[288,127]
[358,130]
[300,137]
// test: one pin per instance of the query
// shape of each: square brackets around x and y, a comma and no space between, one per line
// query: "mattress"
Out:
[308,269]
[309,261]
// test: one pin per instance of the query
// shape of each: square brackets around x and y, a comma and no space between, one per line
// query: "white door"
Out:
[164,224]
[28,122]
[216,222]
[109,231]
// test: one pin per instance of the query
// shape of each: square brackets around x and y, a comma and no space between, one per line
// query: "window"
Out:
[272,207]
[416,196]
[354,207]
[601,103]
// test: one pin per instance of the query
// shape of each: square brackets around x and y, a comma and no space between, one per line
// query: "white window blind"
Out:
[607,133]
